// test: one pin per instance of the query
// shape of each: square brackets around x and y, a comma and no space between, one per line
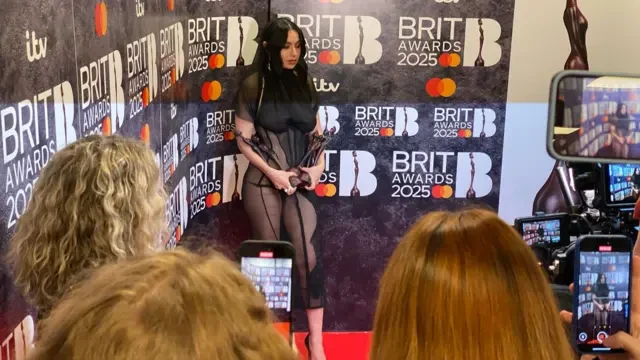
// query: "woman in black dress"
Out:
[601,301]
[278,103]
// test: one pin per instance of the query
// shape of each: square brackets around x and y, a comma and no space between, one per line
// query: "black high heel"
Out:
[306,343]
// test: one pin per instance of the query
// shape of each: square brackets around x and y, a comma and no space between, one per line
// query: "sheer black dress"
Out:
[283,121]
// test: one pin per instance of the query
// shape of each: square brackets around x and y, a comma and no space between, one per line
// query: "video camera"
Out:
[594,132]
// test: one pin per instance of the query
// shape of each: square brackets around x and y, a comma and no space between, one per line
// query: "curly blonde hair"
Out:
[171,305]
[98,200]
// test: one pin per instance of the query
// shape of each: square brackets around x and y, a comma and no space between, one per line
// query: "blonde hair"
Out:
[96,201]
[173,305]
[464,285]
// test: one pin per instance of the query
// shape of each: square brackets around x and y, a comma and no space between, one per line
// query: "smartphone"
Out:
[269,265]
[602,290]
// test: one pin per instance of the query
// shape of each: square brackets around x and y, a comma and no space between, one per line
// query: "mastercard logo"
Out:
[145,134]
[216,61]
[187,149]
[100,16]
[178,233]
[386,132]
[442,191]
[145,96]
[464,133]
[330,57]
[604,119]
[449,60]
[440,87]
[211,91]
[213,199]
[633,96]
[171,5]
[172,169]
[331,1]
[326,190]
[229,135]
[106,126]
[581,131]
[173,75]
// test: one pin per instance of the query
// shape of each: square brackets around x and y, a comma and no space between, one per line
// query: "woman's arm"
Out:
[247,129]
[318,129]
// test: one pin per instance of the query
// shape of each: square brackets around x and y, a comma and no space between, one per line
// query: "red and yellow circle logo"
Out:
[213,199]
[386,132]
[437,87]
[441,191]
[216,61]
[145,96]
[465,133]
[145,134]
[229,135]
[171,5]
[449,60]
[106,126]
[100,15]
[173,75]
[326,190]
[330,57]
[178,233]
[211,91]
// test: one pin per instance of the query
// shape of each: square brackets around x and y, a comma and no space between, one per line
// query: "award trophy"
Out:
[240,59]
[405,133]
[360,58]
[236,194]
[317,144]
[355,192]
[482,133]
[479,60]
[577,26]
[471,194]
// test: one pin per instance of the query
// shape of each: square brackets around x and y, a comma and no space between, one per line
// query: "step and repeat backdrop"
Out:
[415,92]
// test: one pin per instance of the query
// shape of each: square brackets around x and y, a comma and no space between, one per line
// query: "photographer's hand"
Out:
[621,340]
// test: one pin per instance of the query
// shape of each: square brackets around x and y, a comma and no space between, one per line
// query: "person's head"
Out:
[283,47]
[602,278]
[637,171]
[98,200]
[464,285]
[622,109]
[171,305]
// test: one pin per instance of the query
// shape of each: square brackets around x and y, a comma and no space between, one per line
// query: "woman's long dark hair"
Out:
[275,35]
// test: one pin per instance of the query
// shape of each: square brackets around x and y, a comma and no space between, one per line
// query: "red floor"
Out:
[340,346]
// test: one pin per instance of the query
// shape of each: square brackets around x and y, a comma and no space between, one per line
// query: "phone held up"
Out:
[269,265]
[602,293]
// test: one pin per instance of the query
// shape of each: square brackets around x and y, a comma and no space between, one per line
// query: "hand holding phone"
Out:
[602,292]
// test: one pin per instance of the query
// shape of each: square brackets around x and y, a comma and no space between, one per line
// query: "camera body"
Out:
[600,199]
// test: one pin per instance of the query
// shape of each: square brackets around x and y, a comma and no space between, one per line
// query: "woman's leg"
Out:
[264,209]
[300,221]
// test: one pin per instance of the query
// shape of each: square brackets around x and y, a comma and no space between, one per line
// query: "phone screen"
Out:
[272,277]
[602,296]
[541,232]
[623,184]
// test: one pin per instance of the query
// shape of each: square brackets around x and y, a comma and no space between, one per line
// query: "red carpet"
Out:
[340,345]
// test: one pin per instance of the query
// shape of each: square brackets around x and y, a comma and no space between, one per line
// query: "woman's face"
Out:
[623,109]
[602,279]
[290,54]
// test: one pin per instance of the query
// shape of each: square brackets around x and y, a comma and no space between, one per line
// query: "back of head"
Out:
[98,200]
[464,285]
[173,306]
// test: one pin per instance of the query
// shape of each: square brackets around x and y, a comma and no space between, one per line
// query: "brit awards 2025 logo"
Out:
[447,42]
[386,121]
[20,341]
[209,50]
[419,174]
[205,185]
[463,122]
[220,126]
[102,95]
[348,173]
[177,212]
[142,74]
[339,39]
[32,131]
[172,61]
[234,168]
[179,146]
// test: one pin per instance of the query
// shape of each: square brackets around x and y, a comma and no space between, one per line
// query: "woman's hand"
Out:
[314,173]
[280,179]
[621,340]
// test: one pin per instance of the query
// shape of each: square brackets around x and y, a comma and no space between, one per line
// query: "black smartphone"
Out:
[602,290]
[546,230]
[269,265]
